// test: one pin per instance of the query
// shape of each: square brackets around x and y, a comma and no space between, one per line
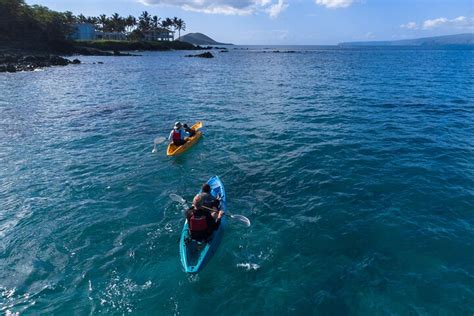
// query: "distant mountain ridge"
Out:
[457,39]
[199,39]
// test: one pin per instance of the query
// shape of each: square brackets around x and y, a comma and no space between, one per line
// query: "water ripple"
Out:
[355,167]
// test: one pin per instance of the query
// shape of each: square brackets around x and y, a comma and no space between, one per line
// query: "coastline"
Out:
[16,57]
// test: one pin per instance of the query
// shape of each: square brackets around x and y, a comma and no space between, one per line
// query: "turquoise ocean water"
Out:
[355,166]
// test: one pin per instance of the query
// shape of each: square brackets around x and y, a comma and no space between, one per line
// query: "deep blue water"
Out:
[355,166]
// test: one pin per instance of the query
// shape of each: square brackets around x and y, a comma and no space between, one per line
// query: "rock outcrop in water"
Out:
[203,55]
[14,63]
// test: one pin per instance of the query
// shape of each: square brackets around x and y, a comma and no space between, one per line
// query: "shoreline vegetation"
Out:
[33,36]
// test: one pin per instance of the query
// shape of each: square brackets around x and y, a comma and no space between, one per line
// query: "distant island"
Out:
[199,39]
[457,39]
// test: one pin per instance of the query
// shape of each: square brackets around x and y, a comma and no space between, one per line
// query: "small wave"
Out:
[248,266]
[120,294]
[309,219]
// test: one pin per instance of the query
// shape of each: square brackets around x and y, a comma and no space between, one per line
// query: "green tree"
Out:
[136,35]
[117,23]
[144,21]
[81,18]
[155,22]
[167,23]
[103,22]
[69,18]
[179,25]
[130,23]
[94,21]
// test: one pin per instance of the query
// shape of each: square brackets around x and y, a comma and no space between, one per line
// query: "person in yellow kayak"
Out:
[178,135]
[201,222]
[189,130]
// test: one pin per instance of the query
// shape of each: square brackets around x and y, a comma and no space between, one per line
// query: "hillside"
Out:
[457,39]
[199,39]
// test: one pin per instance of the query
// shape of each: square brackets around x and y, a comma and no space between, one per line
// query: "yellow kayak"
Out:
[174,150]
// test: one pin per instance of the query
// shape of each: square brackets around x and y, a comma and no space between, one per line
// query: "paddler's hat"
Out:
[177,125]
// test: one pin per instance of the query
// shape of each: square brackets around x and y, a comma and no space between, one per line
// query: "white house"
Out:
[159,34]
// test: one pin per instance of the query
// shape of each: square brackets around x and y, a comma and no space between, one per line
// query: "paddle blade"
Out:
[244,220]
[159,140]
[177,198]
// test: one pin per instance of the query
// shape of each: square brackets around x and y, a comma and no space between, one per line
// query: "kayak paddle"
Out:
[158,140]
[239,218]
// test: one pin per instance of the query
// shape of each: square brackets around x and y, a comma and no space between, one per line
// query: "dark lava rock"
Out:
[29,59]
[224,51]
[14,63]
[100,62]
[118,53]
[203,55]
[8,58]
[58,61]
[75,61]
[87,51]
[11,68]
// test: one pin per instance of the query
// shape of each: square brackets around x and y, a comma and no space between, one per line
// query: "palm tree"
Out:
[144,21]
[117,24]
[179,25]
[69,17]
[93,20]
[166,23]
[102,19]
[130,23]
[156,21]
[81,18]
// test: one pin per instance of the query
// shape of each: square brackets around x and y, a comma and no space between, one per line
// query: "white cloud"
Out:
[461,22]
[333,4]
[226,7]
[429,24]
[409,26]
[275,9]
[369,35]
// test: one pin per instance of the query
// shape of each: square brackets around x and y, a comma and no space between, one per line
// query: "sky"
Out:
[295,22]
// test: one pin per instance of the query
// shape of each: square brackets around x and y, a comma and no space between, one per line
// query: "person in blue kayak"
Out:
[201,221]
[178,135]
[209,201]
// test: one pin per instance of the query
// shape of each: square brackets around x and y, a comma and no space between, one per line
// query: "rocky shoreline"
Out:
[15,62]
[13,59]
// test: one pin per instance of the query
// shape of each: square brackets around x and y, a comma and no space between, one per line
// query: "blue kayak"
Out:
[194,254]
